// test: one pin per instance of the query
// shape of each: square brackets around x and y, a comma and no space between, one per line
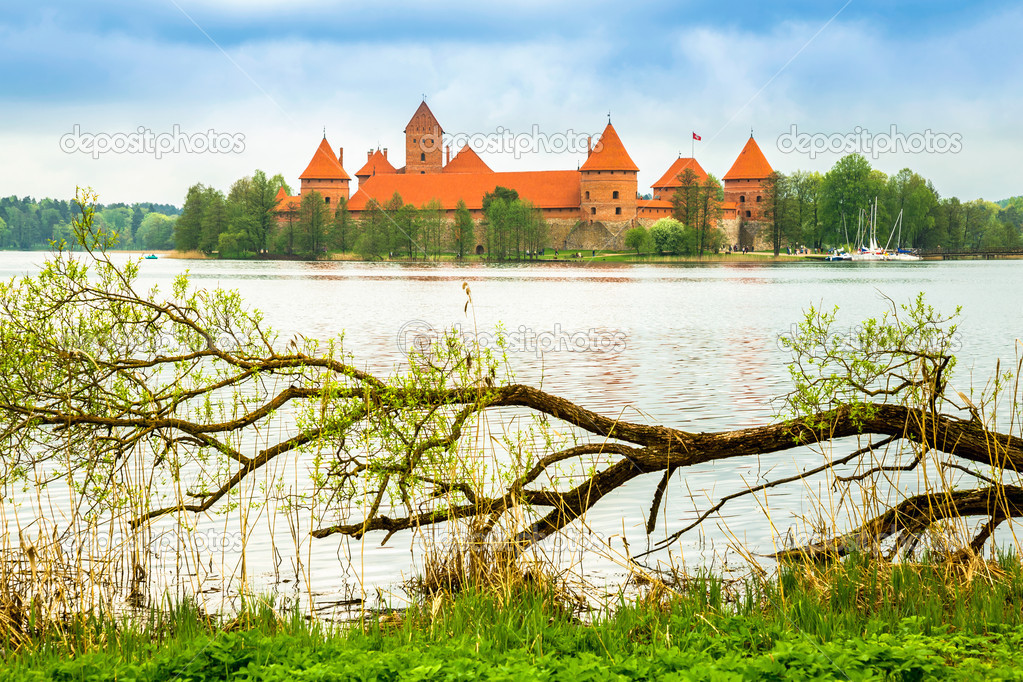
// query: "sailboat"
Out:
[900,253]
[871,251]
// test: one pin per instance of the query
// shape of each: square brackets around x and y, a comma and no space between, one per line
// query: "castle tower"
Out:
[608,181]
[325,175]
[424,143]
[744,181]
[376,164]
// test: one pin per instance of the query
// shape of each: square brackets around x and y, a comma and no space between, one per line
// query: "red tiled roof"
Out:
[377,164]
[611,154]
[751,164]
[467,161]
[424,110]
[286,203]
[324,165]
[653,203]
[544,189]
[670,178]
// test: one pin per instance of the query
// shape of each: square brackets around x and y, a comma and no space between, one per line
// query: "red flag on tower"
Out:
[696,137]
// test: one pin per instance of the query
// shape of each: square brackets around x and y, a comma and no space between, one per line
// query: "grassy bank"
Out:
[850,621]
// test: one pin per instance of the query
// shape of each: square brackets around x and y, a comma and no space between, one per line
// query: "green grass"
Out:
[848,621]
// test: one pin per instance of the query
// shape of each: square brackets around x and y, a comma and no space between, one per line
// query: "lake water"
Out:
[695,347]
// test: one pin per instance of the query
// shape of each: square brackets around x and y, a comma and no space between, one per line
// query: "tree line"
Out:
[249,220]
[827,210]
[27,224]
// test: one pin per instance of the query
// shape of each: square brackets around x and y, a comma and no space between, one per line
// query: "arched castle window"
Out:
[748,214]
[618,209]
[614,194]
[742,198]
[593,211]
[587,195]
[758,197]
[422,157]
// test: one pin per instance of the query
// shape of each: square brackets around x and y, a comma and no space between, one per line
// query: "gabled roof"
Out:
[425,112]
[751,164]
[544,189]
[611,154]
[376,164]
[467,161]
[670,179]
[324,165]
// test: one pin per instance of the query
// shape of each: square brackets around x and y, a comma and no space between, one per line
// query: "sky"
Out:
[140,100]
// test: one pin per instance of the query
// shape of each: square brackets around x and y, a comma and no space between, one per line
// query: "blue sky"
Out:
[274,74]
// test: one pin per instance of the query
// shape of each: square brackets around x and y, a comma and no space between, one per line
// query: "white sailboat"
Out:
[871,251]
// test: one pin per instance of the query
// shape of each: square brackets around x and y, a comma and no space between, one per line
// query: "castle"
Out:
[587,208]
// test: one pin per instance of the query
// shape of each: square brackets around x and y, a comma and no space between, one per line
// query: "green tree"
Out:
[685,201]
[156,232]
[343,230]
[313,222]
[188,227]
[849,187]
[463,231]
[637,238]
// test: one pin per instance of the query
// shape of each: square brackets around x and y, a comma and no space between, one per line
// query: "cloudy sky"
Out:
[267,76]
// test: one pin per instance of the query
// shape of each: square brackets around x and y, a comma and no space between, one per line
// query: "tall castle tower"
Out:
[608,181]
[325,174]
[744,181]
[424,143]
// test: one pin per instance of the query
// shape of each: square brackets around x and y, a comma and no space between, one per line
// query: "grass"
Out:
[852,620]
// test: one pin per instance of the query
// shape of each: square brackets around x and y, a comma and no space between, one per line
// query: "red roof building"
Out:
[600,196]
[745,180]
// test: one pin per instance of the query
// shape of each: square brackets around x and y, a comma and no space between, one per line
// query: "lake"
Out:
[692,346]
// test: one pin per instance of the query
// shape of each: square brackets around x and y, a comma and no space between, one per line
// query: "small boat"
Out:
[838,255]
[151,256]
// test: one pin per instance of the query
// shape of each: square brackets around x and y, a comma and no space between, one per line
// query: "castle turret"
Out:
[424,141]
[744,181]
[608,181]
[376,164]
[326,175]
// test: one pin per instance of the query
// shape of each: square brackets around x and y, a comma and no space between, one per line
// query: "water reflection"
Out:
[700,353]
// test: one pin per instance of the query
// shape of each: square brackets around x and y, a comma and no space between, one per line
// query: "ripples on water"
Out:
[700,353]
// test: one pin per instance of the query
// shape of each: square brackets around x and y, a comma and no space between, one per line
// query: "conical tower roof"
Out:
[324,165]
[671,176]
[611,154]
[428,119]
[467,161]
[750,165]
[376,164]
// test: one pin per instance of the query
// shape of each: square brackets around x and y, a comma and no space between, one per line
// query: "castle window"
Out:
[748,214]
[593,211]
[742,198]
[326,200]
[758,197]
[614,194]
[618,209]
[587,195]
[422,157]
